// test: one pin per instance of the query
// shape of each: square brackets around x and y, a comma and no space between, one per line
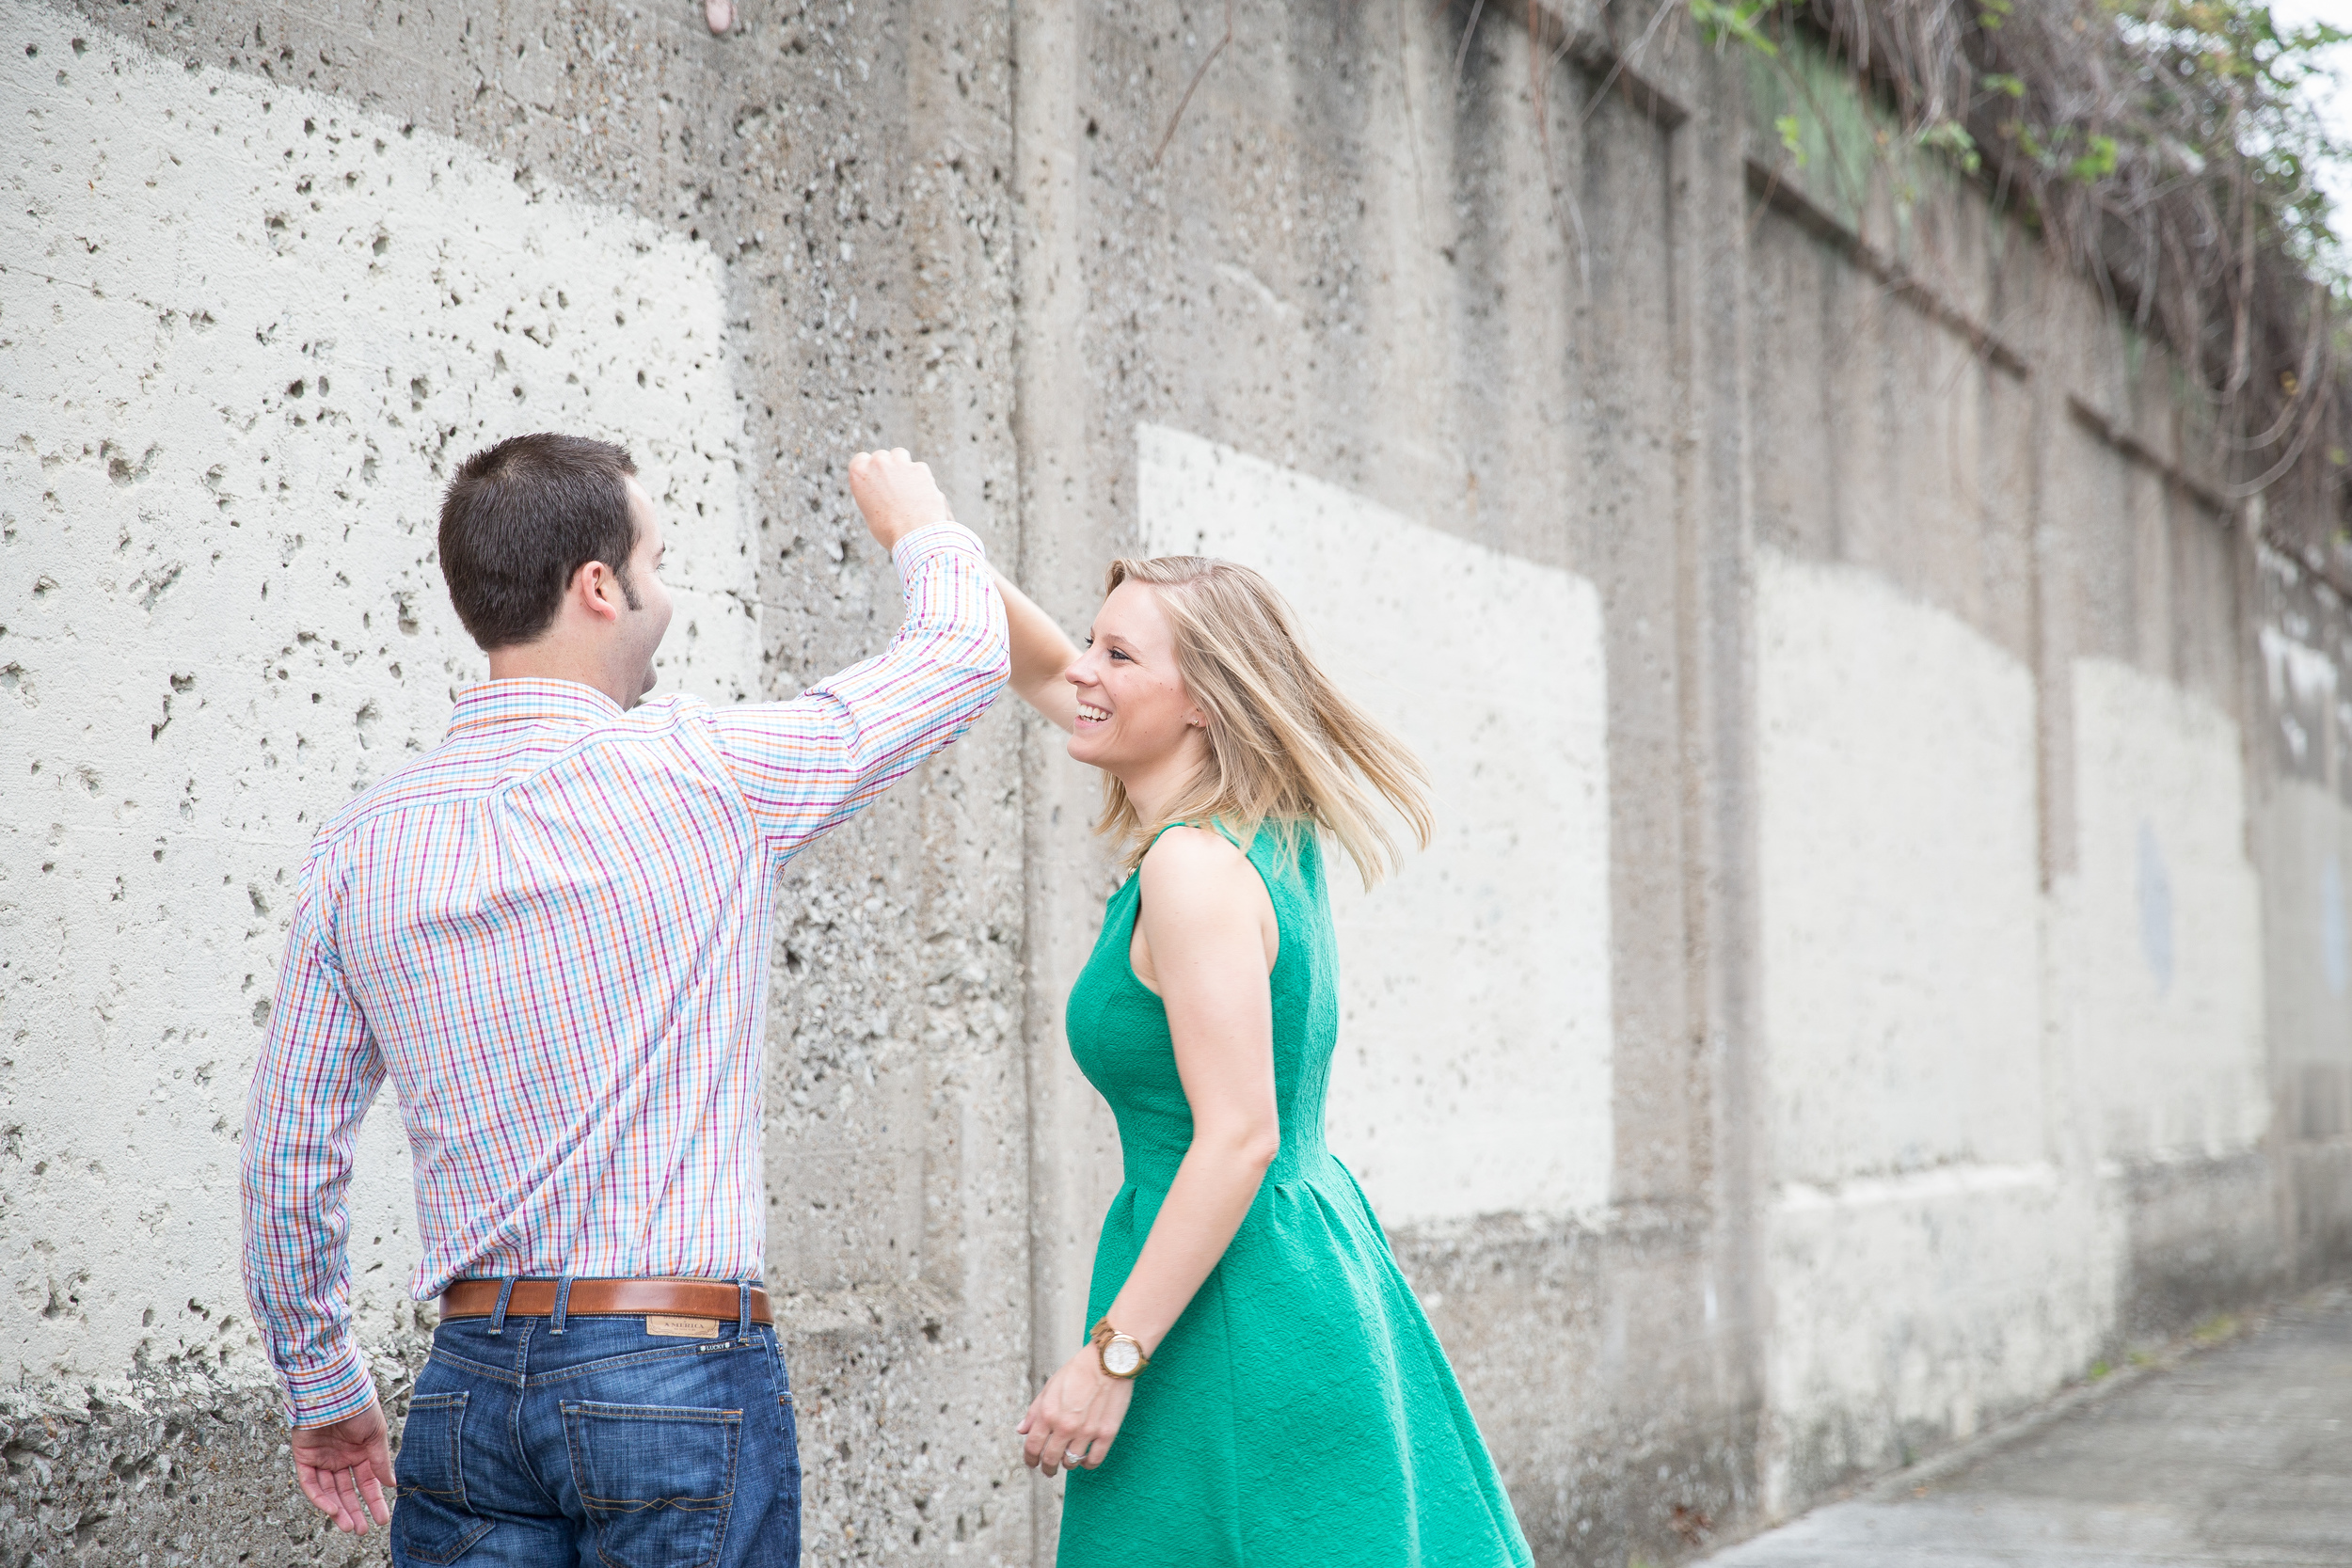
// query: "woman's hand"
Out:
[1074,1418]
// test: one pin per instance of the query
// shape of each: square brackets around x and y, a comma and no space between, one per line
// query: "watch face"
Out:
[1120,1358]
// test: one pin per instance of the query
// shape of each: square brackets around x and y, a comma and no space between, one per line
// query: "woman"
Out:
[1260,1386]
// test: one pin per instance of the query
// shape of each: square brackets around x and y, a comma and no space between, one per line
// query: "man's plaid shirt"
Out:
[551,933]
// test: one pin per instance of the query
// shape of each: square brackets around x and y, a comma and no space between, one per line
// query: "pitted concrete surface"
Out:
[2240,1457]
[1886,947]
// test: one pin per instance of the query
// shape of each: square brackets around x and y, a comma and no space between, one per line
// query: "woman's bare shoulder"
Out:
[1188,864]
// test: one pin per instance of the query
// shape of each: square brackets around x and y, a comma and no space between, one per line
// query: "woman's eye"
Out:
[1119,654]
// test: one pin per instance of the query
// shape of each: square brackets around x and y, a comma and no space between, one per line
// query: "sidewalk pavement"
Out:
[2239,1456]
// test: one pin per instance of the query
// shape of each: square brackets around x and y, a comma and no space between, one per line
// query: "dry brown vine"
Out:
[2160,148]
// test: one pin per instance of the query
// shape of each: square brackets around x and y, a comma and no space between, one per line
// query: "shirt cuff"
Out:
[319,1397]
[932,536]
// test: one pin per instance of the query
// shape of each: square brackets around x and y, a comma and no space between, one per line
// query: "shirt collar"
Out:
[533,700]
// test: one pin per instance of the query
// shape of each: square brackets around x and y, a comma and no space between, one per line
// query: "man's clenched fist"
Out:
[896,494]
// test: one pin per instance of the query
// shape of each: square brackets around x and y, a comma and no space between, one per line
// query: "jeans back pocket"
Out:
[657,1480]
[429,1519]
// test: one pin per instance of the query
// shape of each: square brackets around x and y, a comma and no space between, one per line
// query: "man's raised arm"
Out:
[808,765]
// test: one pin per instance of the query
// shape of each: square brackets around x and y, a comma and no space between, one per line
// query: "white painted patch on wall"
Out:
[2157,945]
[1928,1257]
[245,331]
[2291,667]
[1899,842]
[1474,1071]
[2307,974]
[2303,689]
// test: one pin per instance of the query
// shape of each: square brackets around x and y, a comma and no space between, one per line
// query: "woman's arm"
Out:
[1211,931]
[1040,652]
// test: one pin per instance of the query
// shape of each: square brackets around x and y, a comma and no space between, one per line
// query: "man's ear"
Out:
[598,589]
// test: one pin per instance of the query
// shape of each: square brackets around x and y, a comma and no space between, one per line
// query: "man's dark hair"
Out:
[520,518]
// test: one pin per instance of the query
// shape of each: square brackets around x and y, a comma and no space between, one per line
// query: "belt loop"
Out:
[563,1300]
[742,1308]
[497,1316]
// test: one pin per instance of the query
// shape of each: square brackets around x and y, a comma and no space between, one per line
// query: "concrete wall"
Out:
[1886,943]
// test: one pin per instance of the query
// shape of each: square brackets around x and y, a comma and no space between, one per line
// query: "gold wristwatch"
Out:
[1122,1355]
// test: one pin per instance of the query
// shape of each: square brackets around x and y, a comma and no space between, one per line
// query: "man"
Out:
[553,933]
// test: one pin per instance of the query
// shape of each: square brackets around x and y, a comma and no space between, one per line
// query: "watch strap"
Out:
[1100,1338]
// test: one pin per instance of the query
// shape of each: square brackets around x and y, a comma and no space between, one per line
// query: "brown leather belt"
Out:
[604,1298]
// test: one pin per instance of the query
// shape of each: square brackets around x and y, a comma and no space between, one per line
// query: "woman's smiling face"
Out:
[1133,708]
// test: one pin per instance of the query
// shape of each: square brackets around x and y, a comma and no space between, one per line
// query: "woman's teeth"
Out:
[1088,711]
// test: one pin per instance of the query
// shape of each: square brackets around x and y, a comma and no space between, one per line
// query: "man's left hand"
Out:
[344,1466]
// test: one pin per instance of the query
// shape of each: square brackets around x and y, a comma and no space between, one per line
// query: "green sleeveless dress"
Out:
[1300,1411]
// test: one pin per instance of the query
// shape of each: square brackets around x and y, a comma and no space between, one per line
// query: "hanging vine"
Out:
[2168,151]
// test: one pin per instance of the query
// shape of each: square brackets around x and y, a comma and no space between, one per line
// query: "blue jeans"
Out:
[580,1442]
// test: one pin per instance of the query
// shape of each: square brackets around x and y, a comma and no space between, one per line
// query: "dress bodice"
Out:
[1118,1028]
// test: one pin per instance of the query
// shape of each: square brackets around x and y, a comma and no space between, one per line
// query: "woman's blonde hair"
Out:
[1284,743]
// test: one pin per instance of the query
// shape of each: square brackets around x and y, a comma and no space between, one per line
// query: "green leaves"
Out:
[1952,137]
[2175,113]
[2097,164]
[1790,130]
[1735,20]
